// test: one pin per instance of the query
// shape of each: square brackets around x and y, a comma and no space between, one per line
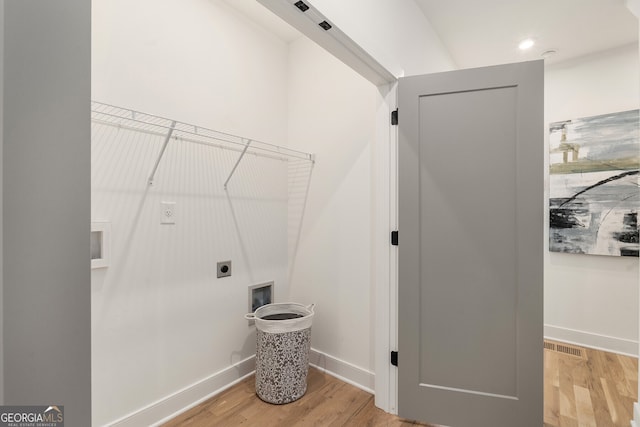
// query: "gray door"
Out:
[471,246]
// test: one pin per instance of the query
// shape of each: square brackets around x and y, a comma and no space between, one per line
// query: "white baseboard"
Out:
[588,339]
[169,407]
[635,422]
[342,370]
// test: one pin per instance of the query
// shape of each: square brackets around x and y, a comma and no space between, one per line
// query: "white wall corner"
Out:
[634,7]
[343,370]
[176,403]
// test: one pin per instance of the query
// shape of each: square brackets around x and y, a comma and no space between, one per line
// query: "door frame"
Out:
[385,256]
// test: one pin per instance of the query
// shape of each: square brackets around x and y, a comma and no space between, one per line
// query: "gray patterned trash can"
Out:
[282,356]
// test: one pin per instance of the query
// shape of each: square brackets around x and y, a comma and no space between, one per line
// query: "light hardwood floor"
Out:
[327,402]
[597,390]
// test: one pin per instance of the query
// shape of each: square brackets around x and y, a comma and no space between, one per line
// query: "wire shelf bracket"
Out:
[244,151]
[162,150]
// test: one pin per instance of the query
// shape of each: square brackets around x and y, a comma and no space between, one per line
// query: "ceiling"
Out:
[487,32]
[479,33]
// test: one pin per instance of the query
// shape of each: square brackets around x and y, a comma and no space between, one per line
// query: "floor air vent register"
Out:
[567,349]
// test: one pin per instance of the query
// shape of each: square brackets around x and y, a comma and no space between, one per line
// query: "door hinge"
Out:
[394,238]
[394,117]
[394,358]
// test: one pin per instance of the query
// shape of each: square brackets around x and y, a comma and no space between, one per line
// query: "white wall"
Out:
[332,113]
[201,62]
[592,300]
[46,196]
[395,33]
[336,117]
[162,323]
[198,61]
[331,265]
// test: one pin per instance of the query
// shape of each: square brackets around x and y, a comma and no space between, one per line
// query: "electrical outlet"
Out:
[224,269]
[167,212]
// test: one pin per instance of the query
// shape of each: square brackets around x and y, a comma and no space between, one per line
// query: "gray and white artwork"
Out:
[593,185]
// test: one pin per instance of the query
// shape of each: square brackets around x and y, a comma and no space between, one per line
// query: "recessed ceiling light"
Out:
[547,53]
[526,44]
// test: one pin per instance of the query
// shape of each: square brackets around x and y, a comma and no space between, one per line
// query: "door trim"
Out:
[385,257]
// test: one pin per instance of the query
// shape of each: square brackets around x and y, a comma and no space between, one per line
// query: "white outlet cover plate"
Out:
[167,212]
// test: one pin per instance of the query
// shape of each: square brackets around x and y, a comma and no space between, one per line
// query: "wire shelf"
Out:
[144,122]
[171,129]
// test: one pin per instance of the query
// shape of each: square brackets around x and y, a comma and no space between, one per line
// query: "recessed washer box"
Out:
[259,295]
[100,244]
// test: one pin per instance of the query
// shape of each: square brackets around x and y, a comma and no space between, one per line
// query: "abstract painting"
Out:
[593,185]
